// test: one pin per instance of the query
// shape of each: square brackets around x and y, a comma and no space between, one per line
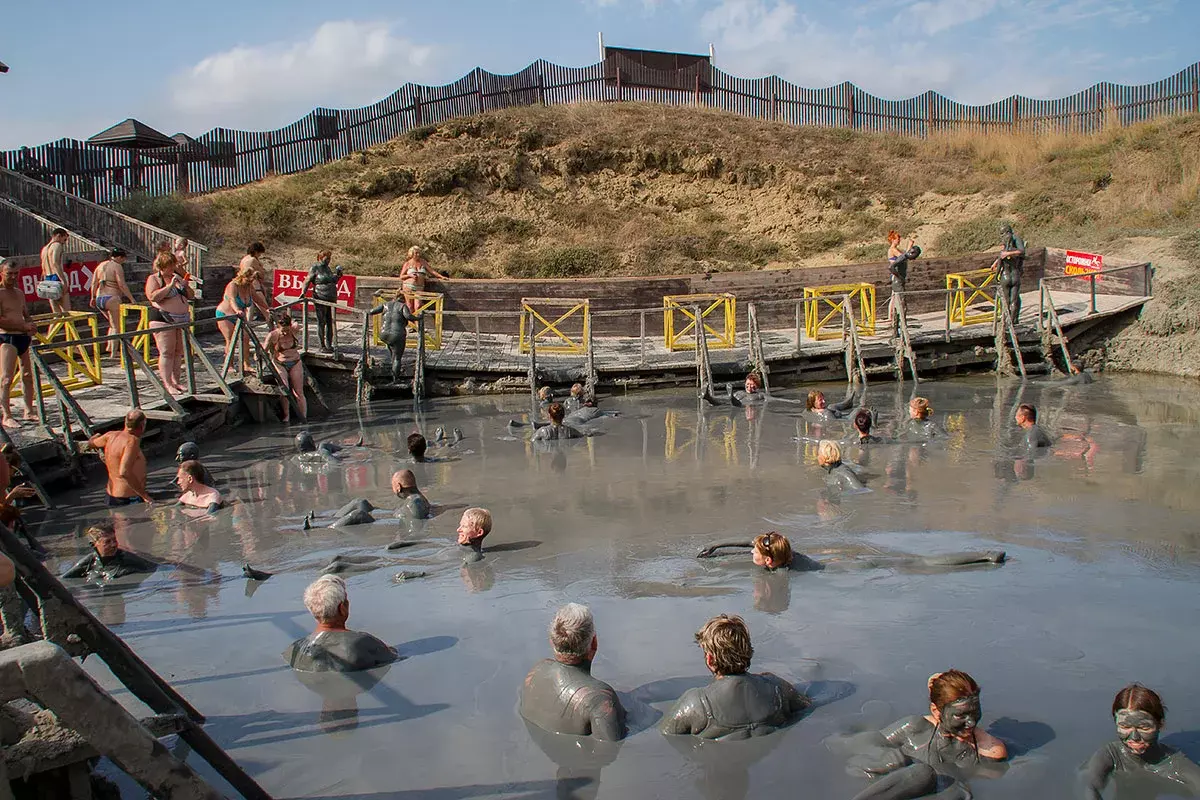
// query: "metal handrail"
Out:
[99,221]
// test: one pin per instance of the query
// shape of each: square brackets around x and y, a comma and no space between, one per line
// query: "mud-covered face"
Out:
[1137,729]
[305,443]
[960,717]
[106,546]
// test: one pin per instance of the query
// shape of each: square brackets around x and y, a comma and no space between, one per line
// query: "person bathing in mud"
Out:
[556,429]
[125,462]
[473,528]
[773,551]
[1033,438]
[838,475]
[1139,715]
[190,451]
[863,421]
[751,393]
[737,704]
[560,695]
[358,511]
[332,647]
[920,424]
[816,405]
[912,752]
[108,560]
[575,399]
[196,493]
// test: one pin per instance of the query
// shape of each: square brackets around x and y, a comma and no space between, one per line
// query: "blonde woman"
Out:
[413,275]
[171,297]
[238,299]
[837,475]
[108,287]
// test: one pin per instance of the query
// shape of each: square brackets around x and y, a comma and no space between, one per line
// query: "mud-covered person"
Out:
[1009,266]
[323,280]
[393,329]
[737,704]
[332,647]
[1033,438]
[556,429]
[560,694]
[108,560]
[125,462]
[838,475]
[16,335]
[416,505]
[1139,715]
[473,528]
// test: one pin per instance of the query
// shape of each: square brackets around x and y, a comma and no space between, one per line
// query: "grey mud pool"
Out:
[1100,589]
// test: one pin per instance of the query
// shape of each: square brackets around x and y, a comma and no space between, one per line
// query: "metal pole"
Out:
[1093,299]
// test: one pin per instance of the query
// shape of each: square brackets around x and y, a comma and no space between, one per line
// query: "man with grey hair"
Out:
[331,647]
[560,695]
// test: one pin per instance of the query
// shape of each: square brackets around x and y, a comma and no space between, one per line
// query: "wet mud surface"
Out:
[1100,589]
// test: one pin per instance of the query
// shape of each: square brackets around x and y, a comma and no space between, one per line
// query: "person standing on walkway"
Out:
[413,274]
[16,335]
[1010,265]
[171,296]
[108,287]
[251,261]
[323,280]
[54,256]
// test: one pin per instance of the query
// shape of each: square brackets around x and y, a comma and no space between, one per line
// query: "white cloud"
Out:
[341,64]
[935,16]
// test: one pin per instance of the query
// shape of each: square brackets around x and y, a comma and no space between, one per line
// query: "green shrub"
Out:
[970,236]
[443,179]
[422,132]
[263,212]
[511,229]
[557,262]
[820,241]
[583,159]
[1187,248]
[383,183]
[867,252]
[169,212]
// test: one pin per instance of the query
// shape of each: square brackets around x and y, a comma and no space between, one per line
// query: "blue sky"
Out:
[77,67]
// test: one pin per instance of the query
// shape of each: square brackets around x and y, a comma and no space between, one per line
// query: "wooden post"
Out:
[697,96]
[1092,301]
[417,118]
[270,153]
[849,89]
[478,345]
[533,397]
[1196,93]
[619,98]
[541,87]
[774,106]
[479,87]
[799,324]
[642,341]
[1016,114]
[418,381]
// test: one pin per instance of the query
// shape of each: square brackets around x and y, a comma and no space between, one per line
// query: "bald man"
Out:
[416,506]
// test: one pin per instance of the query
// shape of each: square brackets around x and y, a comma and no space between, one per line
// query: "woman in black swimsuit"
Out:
[284,349]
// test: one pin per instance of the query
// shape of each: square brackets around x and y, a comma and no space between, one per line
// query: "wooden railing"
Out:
[92,221]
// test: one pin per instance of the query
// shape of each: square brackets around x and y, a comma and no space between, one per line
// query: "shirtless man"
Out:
[251,261]
[332,647]
[1033,438]
[560,695]
[16,334]
[416,506]
[190,451]
[737,704]
[125,462]
[196,494]
[53,257]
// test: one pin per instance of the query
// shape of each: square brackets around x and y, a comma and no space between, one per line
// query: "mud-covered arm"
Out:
[81,567]
[844,405]
[903,730]
[607,717]
[687,716]
[796,700]
[1095,773]
[712,549]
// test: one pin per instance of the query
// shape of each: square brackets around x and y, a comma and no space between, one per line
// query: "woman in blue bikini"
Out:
[284,350]
[171,296]
[239,298]
[108,287]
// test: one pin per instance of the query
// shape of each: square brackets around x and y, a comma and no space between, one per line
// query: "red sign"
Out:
[1083,263]
[79,279]
[286,285]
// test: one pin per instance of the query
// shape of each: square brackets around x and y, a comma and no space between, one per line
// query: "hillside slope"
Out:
[629,189]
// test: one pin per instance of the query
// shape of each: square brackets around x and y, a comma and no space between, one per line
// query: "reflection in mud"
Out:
[1099,531]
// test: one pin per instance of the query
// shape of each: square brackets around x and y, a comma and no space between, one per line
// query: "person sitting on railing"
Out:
[323,280]
[171,298]
[238,299]
[53,257]
[251,261]
[16,334]
[413,274]
[196,493]
[284,349]
[108,287]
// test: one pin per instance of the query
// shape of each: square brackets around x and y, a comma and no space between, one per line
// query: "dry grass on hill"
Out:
[626,189]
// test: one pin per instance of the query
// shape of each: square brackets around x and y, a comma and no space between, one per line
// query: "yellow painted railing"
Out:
[140,315]
[82,361]
[537,325]
[825,305]
[717,313]
[426,302]
[971,289]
